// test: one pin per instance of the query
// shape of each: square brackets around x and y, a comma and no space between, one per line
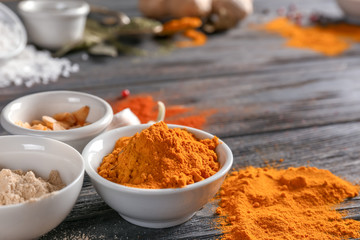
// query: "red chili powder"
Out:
[145,108]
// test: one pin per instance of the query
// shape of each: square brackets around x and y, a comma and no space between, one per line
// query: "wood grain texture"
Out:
[272,103]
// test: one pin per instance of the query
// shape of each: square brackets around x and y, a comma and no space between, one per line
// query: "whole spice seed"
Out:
[125,93]
[59,121]
[290,204]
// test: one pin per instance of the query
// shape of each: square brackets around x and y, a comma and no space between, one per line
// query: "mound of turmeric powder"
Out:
[160,157]
[286,204]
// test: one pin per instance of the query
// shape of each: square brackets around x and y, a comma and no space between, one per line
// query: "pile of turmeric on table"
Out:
[286,204]
[160,157]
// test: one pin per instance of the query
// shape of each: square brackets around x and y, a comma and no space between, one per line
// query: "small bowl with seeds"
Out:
[68,116]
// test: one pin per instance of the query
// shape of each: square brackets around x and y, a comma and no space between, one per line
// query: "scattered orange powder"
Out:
[181,25]
[197,38]
[145,108]
[186,26]
[330,40]
[160,157]
[291,204]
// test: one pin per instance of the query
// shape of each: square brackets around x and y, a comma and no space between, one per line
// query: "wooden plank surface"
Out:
[272,102]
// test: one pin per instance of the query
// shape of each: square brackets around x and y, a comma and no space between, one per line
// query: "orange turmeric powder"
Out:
[145,108]
[286,204]
[180,25]
[186,26]
[330,40]
[159,157]
[196,39]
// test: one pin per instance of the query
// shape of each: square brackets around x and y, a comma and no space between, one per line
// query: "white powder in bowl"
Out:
[17,186]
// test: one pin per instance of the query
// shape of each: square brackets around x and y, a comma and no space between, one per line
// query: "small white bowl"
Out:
[53,24]
[34,106]
[351,8]
[153,208]
[30,220]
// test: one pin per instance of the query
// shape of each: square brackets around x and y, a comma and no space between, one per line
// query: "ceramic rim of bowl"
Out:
[119,187]
[41,8]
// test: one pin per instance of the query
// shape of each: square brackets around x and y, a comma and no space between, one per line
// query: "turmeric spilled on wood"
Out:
[144,107]
[286,204]
[186,26]
[330,40]
[160,157]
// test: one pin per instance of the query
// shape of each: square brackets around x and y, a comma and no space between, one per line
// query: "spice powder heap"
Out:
[286,204]
[160,157]
[17,186]
[330,40]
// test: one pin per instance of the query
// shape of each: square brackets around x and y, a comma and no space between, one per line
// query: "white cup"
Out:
[53,24]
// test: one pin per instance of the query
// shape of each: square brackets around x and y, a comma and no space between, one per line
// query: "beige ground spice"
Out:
[17,186]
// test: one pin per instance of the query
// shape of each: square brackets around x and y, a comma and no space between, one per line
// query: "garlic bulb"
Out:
[153,8]
[161,112]
[227,13]
[123,118]
[160,9]
[189,8]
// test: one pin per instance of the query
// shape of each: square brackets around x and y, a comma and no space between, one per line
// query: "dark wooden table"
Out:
[273,102]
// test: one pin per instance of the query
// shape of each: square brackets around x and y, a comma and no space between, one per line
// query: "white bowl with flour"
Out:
[31,219]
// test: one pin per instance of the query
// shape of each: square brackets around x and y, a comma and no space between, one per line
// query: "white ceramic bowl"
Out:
[153,208]
[351,8]
[53,24]
[30,220]
[15,38]
[34,106]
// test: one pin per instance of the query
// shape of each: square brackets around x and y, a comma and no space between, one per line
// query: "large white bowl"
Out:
[30,220]
[153,208]
[36,105]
